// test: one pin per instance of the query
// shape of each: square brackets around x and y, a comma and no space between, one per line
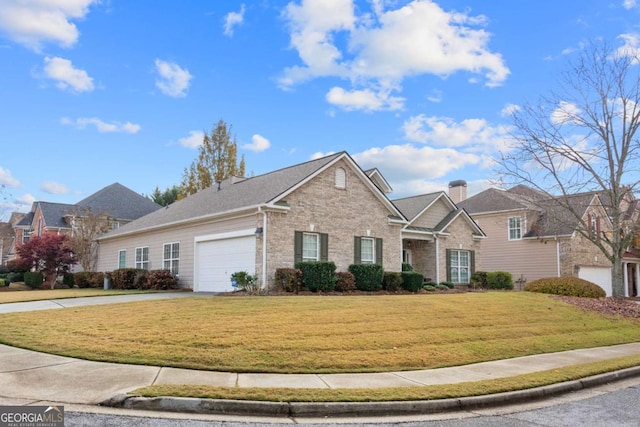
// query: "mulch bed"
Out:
[618,307]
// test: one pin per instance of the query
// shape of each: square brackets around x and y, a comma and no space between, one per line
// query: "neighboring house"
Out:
[115,204]
[531,236]
[324,209]
[8,237]
[440,240]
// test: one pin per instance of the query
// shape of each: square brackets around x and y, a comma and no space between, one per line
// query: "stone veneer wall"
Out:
[341,213]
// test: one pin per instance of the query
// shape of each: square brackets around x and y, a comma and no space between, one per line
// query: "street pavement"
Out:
[31,376]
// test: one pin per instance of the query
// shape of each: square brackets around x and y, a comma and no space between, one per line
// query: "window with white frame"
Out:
[406,256]
[460,266]
[515,228]
[26,235]
[310,247]
[142,257]
[171,257]
[367,250]
[341,178]
[122,258]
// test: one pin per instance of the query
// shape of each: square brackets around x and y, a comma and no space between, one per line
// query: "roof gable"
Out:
[119,202]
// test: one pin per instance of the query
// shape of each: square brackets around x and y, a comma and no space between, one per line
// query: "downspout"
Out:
[437,259]
[264,246]
[558,255]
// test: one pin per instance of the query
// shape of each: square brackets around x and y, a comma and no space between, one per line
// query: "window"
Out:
[122,259]
[26,234]
[171,257]
[406,256]
[310,249]
[367,250]
[142,257]
[515,228]
[311,246]
[341,178]
[459,266]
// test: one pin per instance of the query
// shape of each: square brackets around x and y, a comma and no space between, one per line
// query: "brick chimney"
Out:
[458,190]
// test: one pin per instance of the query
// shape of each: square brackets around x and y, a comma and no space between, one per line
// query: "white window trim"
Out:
[373,250]
[171,259]
[520,228]
[125,258]
[317,236]
[140,264]
[458,265]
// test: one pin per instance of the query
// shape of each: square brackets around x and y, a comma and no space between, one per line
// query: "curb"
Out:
[357,409]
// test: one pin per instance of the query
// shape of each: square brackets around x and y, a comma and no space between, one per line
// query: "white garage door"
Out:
[217,260]
[601,276]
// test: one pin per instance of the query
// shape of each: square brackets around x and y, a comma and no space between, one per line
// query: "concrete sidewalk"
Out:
[31,375]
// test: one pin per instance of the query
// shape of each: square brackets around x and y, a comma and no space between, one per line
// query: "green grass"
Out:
[46,294]
[317,334]
[433,392]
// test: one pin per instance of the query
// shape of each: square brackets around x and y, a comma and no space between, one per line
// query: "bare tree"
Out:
[582,138]
[86,226]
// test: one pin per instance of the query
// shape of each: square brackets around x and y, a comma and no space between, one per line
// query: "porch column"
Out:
[637,279]
[625,274]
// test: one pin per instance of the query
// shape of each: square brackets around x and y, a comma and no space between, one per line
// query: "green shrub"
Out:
[392,281]
[567,286]
[479,279]
[161,280]
[68,279]
[368,276]
[3,283]
[129,278]
[33,279]
[18,266]
[289,279]
[448,285]
[345,281]
[88,279]
[412,281]
[442,287]
[499,280]
[429,288]
[407,267]
[318,276]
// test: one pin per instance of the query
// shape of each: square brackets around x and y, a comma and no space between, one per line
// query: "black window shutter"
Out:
[379,251]
[472,262]
[357,250]
[324,247]
[297,247]
[448,265]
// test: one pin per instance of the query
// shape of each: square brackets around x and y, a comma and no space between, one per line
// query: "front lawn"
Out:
[321,334]
[45,294]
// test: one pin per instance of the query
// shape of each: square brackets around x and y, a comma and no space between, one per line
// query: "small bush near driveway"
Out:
[566,286]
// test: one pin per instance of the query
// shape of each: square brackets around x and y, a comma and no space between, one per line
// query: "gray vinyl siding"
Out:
[433,215]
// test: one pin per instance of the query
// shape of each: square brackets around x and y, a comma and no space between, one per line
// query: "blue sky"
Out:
[96,92]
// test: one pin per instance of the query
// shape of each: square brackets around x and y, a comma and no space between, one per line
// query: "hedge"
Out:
[499,280]
[368,276]
[412,281]
[33,279]
[129,278]
[318,276]
[88,279]
[289,279]
[566,286]
[345,281]
[392,281]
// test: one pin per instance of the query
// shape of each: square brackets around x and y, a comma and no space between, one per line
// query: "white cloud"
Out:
[259,143]
[233,19]
[509,110]
[382,49]
[629,4]
[66,76]
[472,134]
[404,163]
[565,113]
[8,180]
[32,23]
[173,80]
[26,199]
[319,154]
[366,100]
[101,126]
[194,140]
[52,187]
[630,47]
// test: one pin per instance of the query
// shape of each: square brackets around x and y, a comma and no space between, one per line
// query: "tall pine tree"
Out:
[217,160]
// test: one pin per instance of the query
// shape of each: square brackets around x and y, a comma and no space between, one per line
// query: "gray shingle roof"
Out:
[253,191]
[495,200]
[119,202]
[54,214]
[412,206]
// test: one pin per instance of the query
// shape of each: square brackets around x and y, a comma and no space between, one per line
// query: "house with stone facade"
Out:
[531,235]
[324,209]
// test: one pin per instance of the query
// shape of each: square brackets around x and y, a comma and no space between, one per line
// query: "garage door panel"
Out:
[217,260]
[601,276]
